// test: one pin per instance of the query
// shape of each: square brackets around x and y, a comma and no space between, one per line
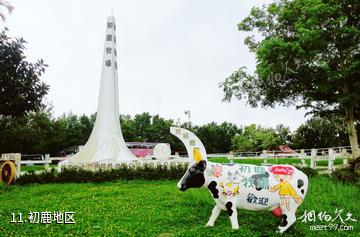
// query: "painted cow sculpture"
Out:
[278,188]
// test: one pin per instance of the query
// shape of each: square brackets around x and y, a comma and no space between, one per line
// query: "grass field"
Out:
[27,168]
[157,208]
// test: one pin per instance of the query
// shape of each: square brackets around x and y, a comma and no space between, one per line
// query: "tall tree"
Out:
[283,134]
[216,137]
[320,133]
[21,89]
[308,56]
[256,138]
[6,5]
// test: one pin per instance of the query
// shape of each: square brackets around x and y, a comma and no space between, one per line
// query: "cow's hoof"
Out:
[209,225]
[280,230]
[235,228]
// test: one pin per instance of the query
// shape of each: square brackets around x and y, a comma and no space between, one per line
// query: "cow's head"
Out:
[194,176]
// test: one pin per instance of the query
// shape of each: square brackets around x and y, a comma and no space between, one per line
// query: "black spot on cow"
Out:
[257,178]
[302,191]
[213,189]
[300,183]
[229,208]
[283,222]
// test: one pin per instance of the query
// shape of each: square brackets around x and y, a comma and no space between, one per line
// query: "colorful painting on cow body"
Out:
[254,177]
[232,179]
[217,171]
[229,189]
[235,177]
[286,191]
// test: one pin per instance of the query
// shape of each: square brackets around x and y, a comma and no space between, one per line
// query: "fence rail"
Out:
[314,155]
[295,153]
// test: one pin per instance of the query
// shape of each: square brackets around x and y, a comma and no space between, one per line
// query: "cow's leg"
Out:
[287,219]
[231,209]
[214,215]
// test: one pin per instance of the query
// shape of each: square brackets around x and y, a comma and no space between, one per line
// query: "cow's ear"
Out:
[202,165]
[197,155]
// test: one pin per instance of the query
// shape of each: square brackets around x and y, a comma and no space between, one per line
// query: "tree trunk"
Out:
[352,132]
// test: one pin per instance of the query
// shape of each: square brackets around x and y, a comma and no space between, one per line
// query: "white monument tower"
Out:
[106,143]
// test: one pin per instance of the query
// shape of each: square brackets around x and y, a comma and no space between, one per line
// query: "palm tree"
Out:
[8,6]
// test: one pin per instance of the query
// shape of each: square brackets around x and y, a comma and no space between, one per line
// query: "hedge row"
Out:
[78,175]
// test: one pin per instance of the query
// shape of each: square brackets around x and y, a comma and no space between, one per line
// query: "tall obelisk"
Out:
[106,143]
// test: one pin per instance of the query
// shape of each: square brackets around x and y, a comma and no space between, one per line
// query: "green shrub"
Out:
[351,174]
[355,166]
[345,176]
[308,171]
[78,175]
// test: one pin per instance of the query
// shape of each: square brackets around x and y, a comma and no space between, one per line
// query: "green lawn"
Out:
[27,168]
[157,208]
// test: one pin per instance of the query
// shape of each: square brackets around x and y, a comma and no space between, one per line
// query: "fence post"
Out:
[344,154]
[331,158]
[302,152]
[264,155]
[47,161]
[231,157]
[313,159]
[18,164]
[302,157]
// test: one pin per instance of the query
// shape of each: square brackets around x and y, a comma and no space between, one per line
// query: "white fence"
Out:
[295,153]
[45,160]
[314,155]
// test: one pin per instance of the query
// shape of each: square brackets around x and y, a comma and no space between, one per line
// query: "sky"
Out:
[172,54]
